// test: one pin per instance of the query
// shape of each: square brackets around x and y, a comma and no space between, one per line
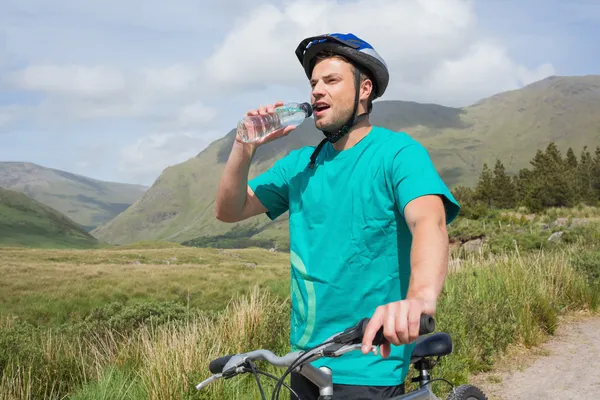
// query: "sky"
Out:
[119,91]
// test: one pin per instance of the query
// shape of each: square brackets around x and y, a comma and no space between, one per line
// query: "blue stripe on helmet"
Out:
[351,38]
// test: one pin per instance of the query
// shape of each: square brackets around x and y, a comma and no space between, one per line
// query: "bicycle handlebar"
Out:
[216,366]
[351,338]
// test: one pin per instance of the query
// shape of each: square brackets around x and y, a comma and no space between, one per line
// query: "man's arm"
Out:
[236,201]
[426,219]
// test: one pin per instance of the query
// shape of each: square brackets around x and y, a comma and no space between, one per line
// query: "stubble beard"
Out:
[334,122]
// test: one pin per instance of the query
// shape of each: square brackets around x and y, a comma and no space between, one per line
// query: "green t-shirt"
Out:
[349,242]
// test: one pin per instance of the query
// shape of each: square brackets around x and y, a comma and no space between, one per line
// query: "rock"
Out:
[561,222]
[530,217]
[473,245]
[555,236]
[227,253]
[579,222]
[250,265]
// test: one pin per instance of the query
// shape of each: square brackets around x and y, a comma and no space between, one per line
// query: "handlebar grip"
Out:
[216,366]
[426,325]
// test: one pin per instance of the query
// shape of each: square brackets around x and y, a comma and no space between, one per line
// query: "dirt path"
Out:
[565,367]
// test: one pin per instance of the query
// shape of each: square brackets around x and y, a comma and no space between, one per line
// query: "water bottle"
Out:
[252,128]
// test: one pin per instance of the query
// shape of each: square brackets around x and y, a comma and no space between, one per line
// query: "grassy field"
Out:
[143,321]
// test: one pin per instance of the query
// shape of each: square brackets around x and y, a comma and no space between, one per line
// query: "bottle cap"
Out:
[307,109]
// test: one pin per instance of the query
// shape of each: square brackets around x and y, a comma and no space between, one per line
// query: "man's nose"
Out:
[318,89]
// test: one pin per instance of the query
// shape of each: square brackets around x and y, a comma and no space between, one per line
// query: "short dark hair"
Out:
[364,74]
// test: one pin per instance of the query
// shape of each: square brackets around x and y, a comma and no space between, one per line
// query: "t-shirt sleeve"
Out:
[272,188]
[414,175]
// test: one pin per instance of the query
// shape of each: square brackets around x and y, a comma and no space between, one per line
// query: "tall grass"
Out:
[490,301]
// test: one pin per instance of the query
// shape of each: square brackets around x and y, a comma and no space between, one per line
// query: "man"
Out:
[367,217]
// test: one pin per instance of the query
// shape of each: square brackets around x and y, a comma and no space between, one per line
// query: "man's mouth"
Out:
[320,108]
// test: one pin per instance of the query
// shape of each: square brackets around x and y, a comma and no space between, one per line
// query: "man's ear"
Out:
[366,88]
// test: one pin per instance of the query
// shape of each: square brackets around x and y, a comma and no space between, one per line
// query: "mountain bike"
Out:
[428,346]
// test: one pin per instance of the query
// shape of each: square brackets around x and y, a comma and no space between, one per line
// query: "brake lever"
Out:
[337,350]
[229,373]
[205,382]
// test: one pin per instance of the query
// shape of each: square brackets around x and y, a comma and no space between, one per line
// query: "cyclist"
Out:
[367,219]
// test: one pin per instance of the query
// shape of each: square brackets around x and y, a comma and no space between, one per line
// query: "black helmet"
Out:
[357,51]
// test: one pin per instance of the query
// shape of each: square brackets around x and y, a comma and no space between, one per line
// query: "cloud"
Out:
[423,42]
[159,81]
[77,92]
[77,80]
[485,69]
[8,115]
[143,160]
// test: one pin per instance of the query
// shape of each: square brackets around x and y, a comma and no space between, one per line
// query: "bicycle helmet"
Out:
[357,51]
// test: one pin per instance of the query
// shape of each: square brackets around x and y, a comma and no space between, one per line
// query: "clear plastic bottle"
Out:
[252,128]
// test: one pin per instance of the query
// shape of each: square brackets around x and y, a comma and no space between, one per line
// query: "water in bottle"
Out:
[252,128]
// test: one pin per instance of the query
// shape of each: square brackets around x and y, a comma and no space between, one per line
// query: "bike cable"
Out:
[275,379]
[255,373]
[298,360]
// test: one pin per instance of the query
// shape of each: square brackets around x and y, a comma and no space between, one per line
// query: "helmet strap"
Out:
[333,137]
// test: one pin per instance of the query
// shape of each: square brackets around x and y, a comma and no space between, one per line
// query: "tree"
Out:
[571,160]
[503,190]
[584,177]
[551,187]
[595,180]
[485,187]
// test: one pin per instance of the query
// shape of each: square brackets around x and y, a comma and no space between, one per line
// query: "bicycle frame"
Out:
[321,377]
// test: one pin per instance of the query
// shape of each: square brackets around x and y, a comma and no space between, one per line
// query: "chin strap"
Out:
[353,120]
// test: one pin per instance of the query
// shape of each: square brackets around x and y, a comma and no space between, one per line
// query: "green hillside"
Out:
[510,125]
[27,222]
[89,202]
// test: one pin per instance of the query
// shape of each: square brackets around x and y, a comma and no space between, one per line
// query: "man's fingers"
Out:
[386,349]
[414,319]
[389,328]
[372,327]
[401,326]
[288,129]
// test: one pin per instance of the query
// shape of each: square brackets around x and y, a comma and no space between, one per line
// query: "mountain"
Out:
[89,202]
[27,222]
[510,125]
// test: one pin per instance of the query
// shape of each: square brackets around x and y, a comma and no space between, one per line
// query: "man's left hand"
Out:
[400,321]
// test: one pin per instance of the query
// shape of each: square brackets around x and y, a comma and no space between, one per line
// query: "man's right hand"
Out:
[265,110]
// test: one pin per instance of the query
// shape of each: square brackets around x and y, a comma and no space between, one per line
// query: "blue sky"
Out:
[121,90]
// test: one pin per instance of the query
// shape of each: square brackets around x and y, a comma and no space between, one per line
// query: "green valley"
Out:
[27,222]
[89,202]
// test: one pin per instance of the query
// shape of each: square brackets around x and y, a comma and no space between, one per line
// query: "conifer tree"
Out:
[595,178]
[571,160]
[574,189]
[485,188]
[584,177]
[504,193]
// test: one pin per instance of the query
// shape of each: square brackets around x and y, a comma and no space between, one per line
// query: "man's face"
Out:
[333,92]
